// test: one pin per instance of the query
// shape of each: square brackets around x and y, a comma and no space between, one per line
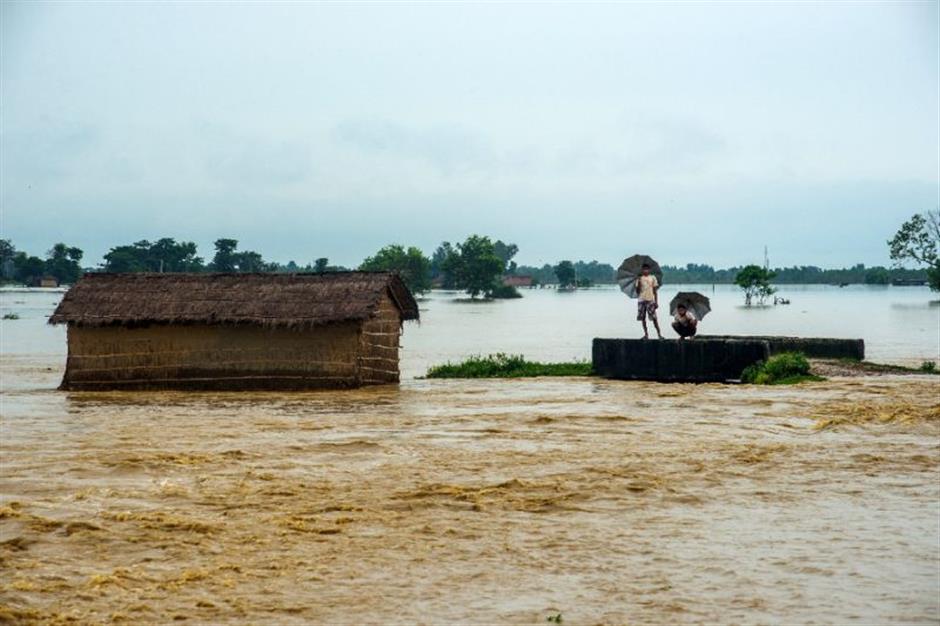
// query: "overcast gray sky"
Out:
[693,132]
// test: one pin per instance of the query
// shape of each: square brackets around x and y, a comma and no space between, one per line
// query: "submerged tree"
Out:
[475,266]
[565,273]
[918,240]
[411,264]
[755,281]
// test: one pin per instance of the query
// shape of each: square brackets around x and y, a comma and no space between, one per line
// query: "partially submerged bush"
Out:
[11,316]
[781,369]
[507,366]
[504,292]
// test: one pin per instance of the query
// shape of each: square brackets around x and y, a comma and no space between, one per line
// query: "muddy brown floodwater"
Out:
[473,502]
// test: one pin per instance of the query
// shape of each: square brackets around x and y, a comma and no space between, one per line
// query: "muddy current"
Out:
[472,502]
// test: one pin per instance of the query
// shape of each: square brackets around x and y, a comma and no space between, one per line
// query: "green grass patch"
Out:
[507,366]
[788,368]
[11,316]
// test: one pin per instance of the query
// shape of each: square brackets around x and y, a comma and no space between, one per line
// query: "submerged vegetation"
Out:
[507,366]
[755,281]
[782,369]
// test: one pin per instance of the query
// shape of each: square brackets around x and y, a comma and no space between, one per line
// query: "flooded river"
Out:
[480,501]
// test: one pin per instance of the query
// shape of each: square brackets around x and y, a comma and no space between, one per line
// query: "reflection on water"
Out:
[472,501]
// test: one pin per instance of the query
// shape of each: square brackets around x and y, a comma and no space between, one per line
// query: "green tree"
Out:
[321,265]
[225,259]
[505,251]
[877,276]
[475,267]
[250,261]
[62,263]
[27,269]
[438,262]
[163,255]
[755,281]
[228,259]
[411,264]
[166,255]
[7,255]
[7,250]
[130,258]
[918,240]
[565,273]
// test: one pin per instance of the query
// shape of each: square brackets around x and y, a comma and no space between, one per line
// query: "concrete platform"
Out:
[671,360]
[813,347]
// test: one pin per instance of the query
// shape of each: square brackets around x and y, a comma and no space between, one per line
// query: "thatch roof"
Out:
[283,300]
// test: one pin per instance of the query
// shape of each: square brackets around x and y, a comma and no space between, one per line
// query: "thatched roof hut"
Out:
[234,331]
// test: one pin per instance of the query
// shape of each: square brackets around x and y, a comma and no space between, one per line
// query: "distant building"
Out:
[46,281]
[514,280]
[234,331]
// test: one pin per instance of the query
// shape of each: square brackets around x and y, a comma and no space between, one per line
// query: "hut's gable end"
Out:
[212,357]
[379,343]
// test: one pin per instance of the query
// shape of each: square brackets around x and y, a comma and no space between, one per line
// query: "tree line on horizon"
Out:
[478,265]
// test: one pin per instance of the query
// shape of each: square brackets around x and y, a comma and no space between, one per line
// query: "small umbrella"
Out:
[631,268]
[693,301]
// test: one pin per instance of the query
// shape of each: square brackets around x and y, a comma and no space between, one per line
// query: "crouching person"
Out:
[684,323]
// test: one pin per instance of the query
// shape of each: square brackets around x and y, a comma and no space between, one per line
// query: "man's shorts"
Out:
[646,307]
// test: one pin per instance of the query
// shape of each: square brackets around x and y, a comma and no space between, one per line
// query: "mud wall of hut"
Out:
[223,357]
[378,345]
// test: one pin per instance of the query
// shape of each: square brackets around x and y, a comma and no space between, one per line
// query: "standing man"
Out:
[647,287]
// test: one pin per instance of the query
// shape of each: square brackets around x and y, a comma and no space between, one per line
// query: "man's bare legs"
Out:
[646,332]
[656,324]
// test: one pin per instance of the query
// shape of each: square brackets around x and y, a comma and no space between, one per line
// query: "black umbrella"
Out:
[693,301]
[631,268]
